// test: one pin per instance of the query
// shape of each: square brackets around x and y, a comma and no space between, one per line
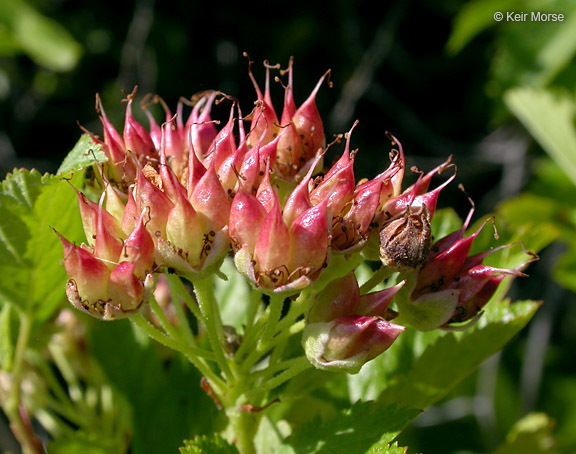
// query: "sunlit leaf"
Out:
[473,18]
[44,40]
[85,153]
[208,445]
[549,117]
[232,295]
[452,356]
[357,429]
[533,433]
[31,205]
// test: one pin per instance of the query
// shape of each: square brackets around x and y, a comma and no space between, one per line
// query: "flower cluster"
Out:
[182,195]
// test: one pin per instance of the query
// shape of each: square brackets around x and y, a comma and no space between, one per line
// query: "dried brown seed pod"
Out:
[405,239]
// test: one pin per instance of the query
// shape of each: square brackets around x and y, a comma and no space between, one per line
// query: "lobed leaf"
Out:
[85,153]
[358,429]
[450,356]
[208,445]
[30,253]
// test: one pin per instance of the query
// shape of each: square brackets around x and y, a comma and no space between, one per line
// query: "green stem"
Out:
[205,295]
[298,308]
[183,321]
[264,375]
[21,428]
[195,355]
[281,340]
[272,316]
[254,305]
[383,273]
[299,365]
[75,389]
[244,427]
[275,308]
[177,287]
[163,320]
[251,337]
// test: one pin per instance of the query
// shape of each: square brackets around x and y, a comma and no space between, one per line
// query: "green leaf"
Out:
[208,445]
[550,181]
[41,38]
[85,153]
[267,440]
[533,52]
[533,434]
[472,19]
[549,117]
[448,357]
[84,442]
[30,253]
[386,448]
[8,336]
[565,270]
[357,429]
[232,295]
[163,390]
[445,222]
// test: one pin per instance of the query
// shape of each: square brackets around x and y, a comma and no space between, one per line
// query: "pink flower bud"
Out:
[224,143]
[107,246]
[139,249]
[270,250]
[120,167]
[338,299]
[136,139]
[418,195]
[210,201]
[88,275]
[299,199]
[342,298]
[125,290]
[283,258]
[446,260]
[171,137]
[103,291]
[196,229]
[347,343]
[246,217]
[338,184]
[200,127]
[310,241]
[308,123]
[90,212]
[264,119]
[452,287]
[300,133]
[149,196]
[351,231]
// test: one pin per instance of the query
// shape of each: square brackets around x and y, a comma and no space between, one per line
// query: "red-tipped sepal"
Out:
[347,343]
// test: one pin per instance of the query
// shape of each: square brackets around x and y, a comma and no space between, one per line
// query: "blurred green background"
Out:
[443,76]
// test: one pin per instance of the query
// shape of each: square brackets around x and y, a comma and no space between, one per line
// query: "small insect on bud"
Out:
[405,239]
